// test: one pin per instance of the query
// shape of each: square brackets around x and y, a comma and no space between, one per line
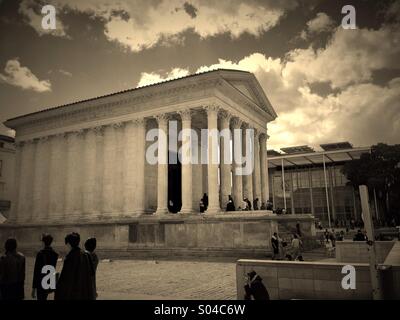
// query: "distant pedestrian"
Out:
[205,201]
[244,205]
[254,288]
[275,246]
[12,272]
[46,256]
[248,203]
[296,247]
[90,247]
[202,207]
[255,204]
[359,236]
[230,205]
[76,279]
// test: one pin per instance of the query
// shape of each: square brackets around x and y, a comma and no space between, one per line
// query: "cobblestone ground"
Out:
[149,279]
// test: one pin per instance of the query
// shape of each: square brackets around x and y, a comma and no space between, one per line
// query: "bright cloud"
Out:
[151,78]
[321,23]
[19,76]
[141,24]
[358,111]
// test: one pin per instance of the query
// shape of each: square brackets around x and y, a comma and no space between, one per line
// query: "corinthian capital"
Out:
[162,118]
[236,123]
[211,108]
[186,115]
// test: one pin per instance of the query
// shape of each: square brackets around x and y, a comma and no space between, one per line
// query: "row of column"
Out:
[252,186]
[82,174]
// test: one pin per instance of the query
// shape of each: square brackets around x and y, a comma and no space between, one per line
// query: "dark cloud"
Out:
[190,9]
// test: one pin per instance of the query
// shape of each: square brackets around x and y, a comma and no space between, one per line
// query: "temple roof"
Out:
[242,81]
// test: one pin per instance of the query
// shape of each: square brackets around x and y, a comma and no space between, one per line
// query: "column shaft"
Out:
[89,183]
[109,151]
[213,188]
[140,203]
[264,169]
[236,170]
[257,170]
[162,171]
[187,168]
[247,176]
[225,156]
[130,167]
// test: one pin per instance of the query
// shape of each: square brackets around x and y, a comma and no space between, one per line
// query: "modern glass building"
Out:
[303,180]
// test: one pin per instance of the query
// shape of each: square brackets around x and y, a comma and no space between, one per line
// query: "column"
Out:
[130,167]
[212,166]
[237,155]
[14,215]
[56,177]
[25,203]
[264,168]
[141,164]
[89,173]
[225,158]
[257,169]
[40,188]
[73,196]
[248,178]
[187,168]
[109,151]
[162,170]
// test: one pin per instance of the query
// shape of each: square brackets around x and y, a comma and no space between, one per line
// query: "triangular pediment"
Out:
[245,89]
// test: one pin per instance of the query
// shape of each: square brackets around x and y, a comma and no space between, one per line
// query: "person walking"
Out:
[296,246]
[255,204]
[12,272]
[46,256]
[76,278]
[275,246]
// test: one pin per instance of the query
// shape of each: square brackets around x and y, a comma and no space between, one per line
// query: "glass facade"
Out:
[305,190]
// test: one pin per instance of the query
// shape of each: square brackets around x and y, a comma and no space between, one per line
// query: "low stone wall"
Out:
[304,280]
[391,277]
[236,234]
[357,251]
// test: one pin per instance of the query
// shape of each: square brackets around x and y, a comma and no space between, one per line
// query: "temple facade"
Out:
[87,160]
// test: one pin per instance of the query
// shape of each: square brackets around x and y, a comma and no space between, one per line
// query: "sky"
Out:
[326,83]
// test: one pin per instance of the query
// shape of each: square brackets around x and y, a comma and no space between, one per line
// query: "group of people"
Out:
[77,280]
[247,205]
[281,250]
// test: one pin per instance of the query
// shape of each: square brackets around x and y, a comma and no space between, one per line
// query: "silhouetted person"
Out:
[255,204]
[202,207]
[90,246]
[205,201]
[76,279]
[230,206]
[269,205]
[248,204]
[46,256]
[359,236]
[12,272]
[254,288]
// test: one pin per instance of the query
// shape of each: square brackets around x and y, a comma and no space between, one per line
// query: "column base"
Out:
[161,211]
[213,210]
[187,211]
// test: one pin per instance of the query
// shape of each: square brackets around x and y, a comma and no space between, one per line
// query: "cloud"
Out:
[65,72]
[355,109]
[321,23]
[147,23]
[19,76]
[151,78]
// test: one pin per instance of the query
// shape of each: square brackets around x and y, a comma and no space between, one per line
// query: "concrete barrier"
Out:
[357,251]
[304,280]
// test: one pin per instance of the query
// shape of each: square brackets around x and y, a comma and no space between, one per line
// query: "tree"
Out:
[380,171]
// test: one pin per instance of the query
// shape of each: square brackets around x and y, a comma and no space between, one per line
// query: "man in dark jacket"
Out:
[12,272]
[275,245]
[76,278]
[230,205]
[255,288]
[46,256]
